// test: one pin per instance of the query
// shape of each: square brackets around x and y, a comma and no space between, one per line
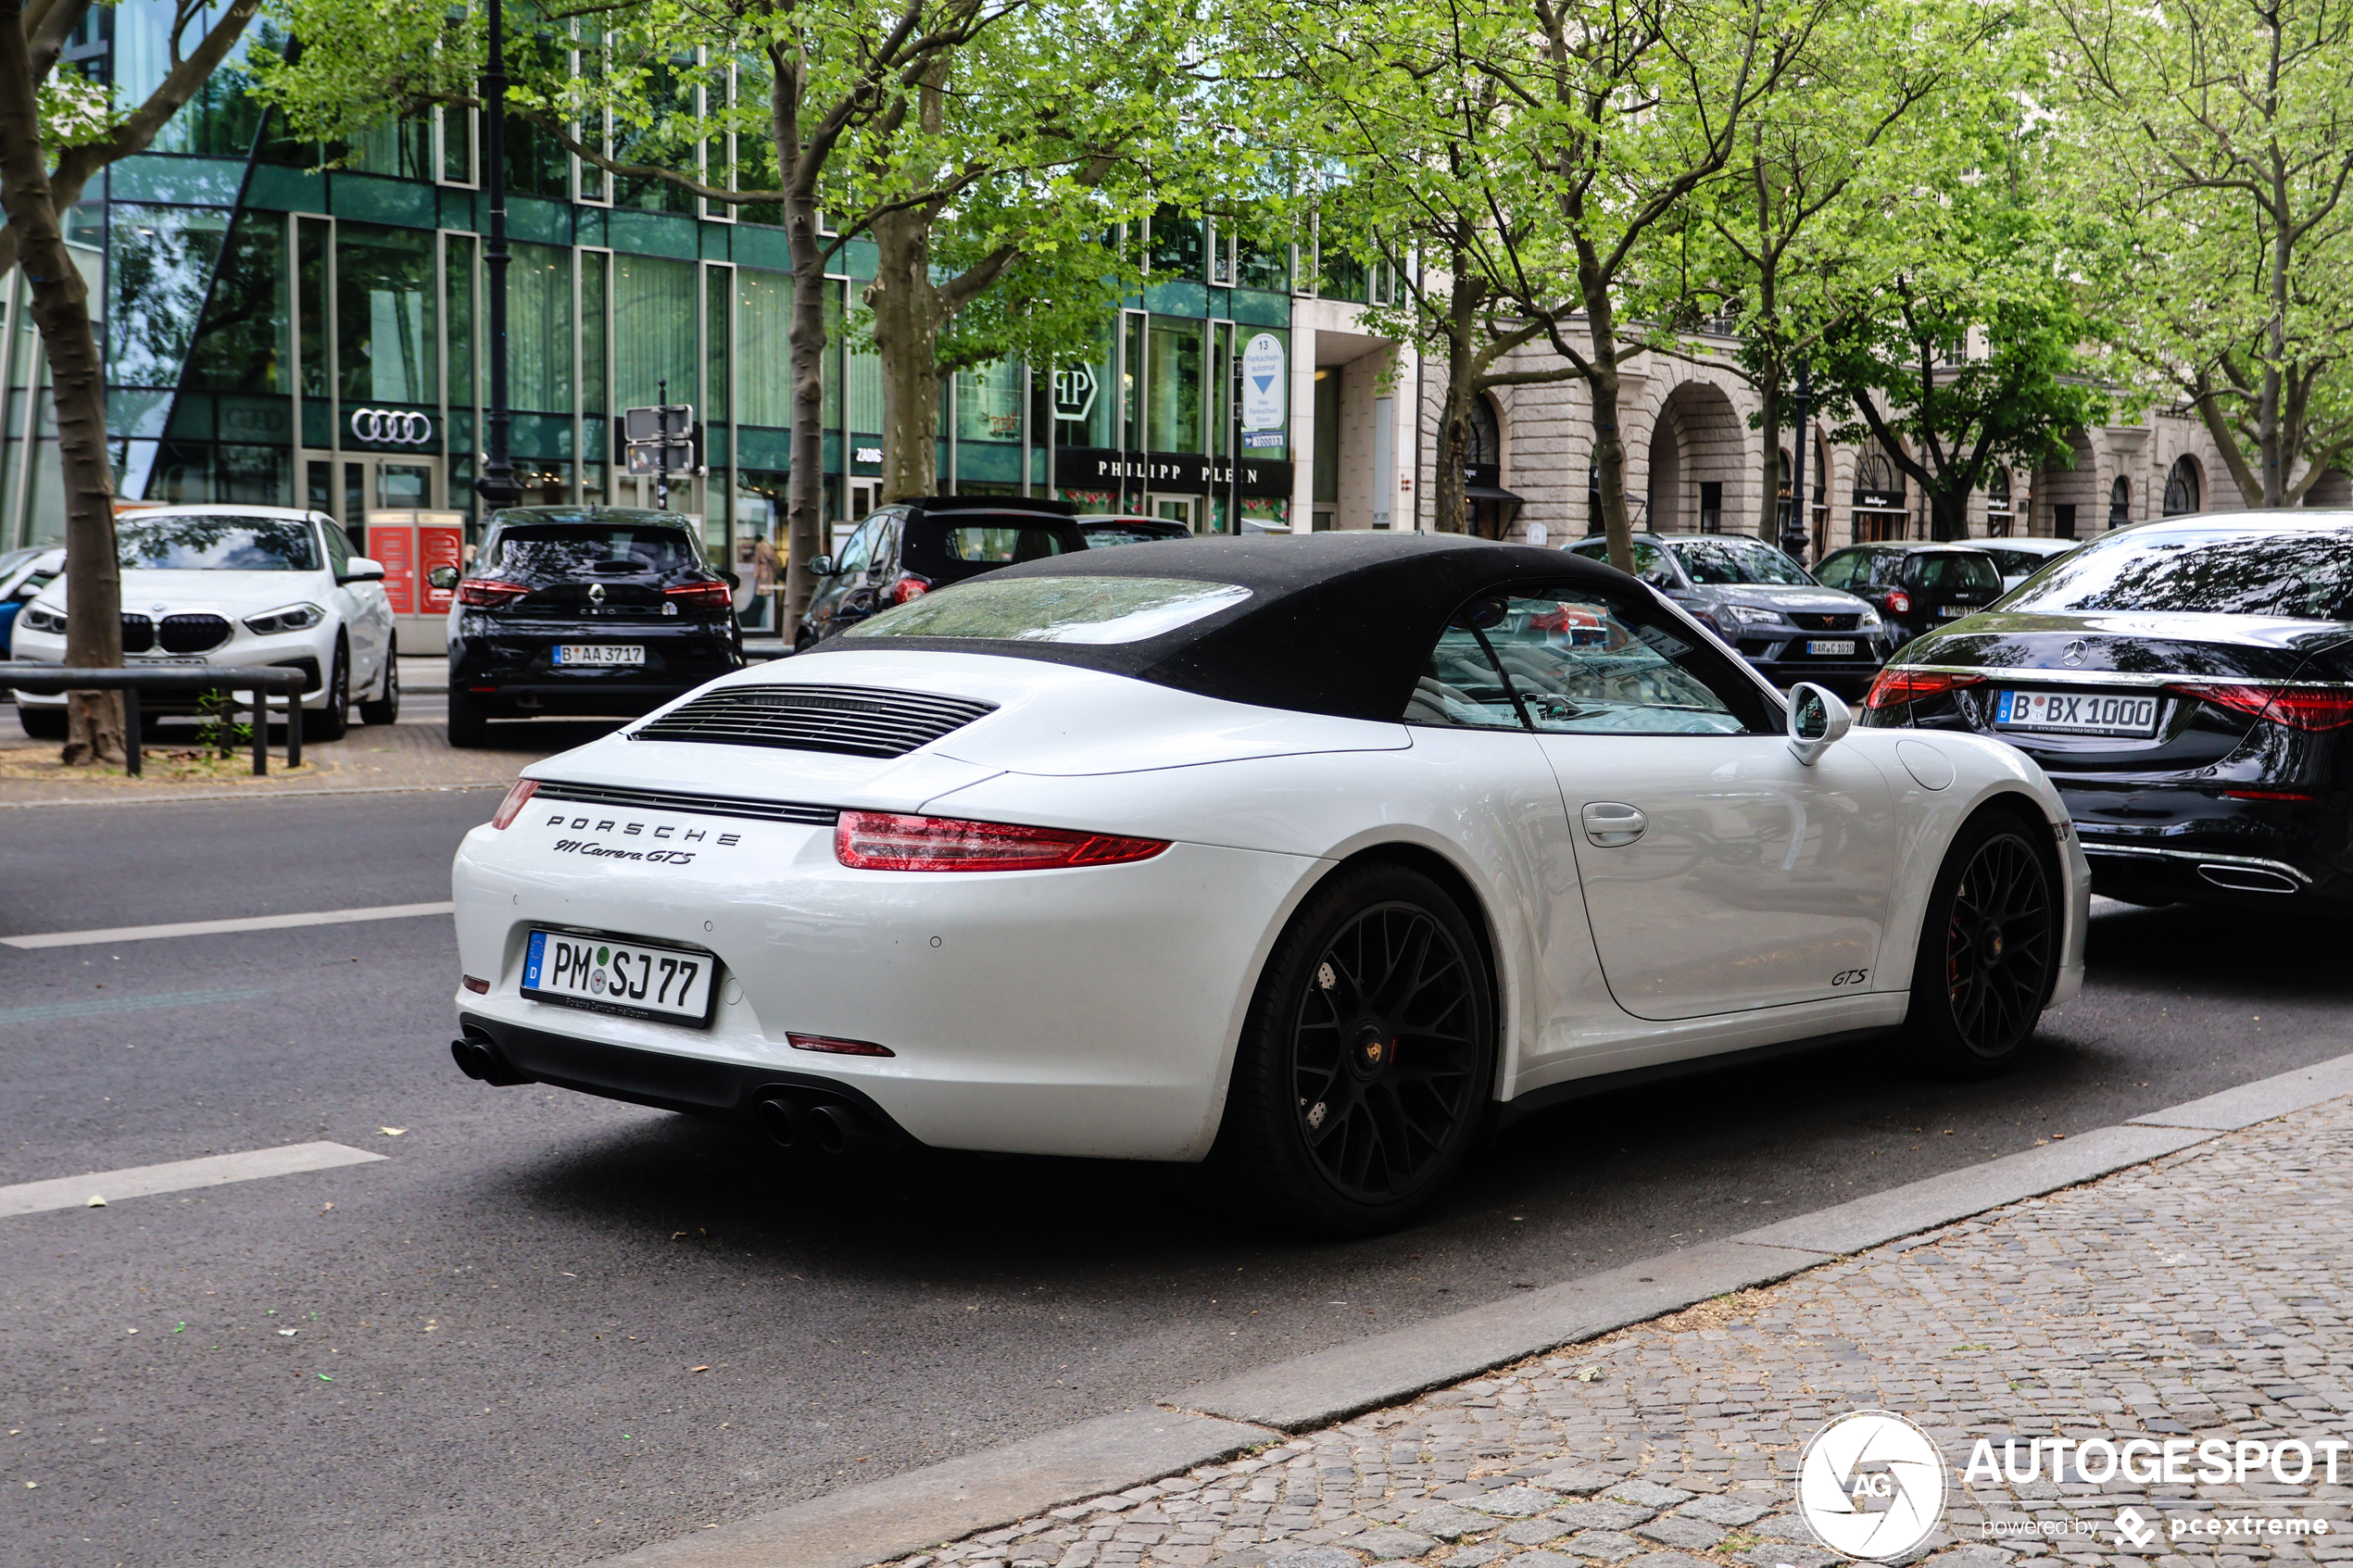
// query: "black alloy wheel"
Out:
[1366,1063]
[330,720]
[1987,950]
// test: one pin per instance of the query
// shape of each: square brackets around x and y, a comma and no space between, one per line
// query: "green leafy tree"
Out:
[1428,173]
[1979,352]
[2217,137]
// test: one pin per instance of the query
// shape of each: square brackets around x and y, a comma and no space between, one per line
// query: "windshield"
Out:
[2299,573]
[561,549]
[217,542]
[1650,561]
[1716,562]
[1056,609]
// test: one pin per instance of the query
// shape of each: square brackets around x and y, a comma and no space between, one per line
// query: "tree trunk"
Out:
[61,310]
[909,313]
[1768,473]
[1455,413]
[1947,513]
[805,486]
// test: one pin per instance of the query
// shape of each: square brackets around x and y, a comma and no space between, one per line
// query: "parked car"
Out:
[909,548]
[234,584]
[2021,558]
[1763,603]
[1123,528]
[1916,588]
[1420,832]
[594,611]
[23,573]
[2188,683]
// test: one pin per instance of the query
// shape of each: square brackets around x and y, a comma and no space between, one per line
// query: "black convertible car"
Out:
[596,611]
[2188,685]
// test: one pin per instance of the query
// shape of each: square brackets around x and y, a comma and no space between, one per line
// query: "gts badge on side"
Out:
[1849,977]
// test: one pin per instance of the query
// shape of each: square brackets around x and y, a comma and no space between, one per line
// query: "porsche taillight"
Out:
[2298,707]
[1896,687]
[891,841]
[517,799]
[488,593]
[701,596]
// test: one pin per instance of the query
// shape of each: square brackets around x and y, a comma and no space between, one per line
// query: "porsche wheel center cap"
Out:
[1376,1048]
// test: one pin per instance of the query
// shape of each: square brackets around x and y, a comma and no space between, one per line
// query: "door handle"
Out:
[1612,824]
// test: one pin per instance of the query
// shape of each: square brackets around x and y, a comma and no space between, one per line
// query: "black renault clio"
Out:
[596,611]
[2188,685]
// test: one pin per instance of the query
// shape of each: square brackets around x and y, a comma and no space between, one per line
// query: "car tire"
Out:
[332,718]
[385,709]
[1366,1063]
[1989,943]
[43,724]
[468,725]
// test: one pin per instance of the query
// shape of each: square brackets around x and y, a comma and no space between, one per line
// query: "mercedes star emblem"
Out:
[2072,654]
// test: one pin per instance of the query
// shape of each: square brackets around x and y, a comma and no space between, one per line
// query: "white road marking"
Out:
[213,927]
[140,1181]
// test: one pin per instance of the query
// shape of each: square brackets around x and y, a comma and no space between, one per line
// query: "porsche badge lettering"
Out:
[668,831]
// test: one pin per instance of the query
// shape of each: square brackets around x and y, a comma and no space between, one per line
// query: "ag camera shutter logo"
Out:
[1871,1484]
[396,427]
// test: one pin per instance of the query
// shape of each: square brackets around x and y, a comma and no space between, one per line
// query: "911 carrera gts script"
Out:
[613,852]
[633,830]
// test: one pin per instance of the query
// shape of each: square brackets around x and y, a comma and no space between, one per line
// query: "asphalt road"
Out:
[549,1328]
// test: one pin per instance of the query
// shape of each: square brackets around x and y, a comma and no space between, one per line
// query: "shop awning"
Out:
[1492,493]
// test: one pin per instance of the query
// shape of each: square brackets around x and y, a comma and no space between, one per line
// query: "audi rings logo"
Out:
[395,427]
[1871,1484]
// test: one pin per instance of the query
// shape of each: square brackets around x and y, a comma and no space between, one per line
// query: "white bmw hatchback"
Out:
[232,584]
[1309,858]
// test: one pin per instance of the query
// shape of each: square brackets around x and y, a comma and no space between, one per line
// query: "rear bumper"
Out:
[2190,845]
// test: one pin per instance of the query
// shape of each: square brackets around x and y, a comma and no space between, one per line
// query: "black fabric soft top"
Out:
[1336,623]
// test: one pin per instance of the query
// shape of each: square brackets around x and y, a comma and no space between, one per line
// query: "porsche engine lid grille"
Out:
[702,805]
[856,720]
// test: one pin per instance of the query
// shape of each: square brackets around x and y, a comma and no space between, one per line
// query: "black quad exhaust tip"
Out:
[810,1122]
[480,1059]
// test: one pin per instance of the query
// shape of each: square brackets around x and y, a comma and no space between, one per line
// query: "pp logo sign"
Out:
[1871,1484]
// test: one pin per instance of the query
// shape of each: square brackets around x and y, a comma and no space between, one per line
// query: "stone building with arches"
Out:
[1696,463]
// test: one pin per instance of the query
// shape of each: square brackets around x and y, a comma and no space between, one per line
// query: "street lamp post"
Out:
[496,484]
[1793,526]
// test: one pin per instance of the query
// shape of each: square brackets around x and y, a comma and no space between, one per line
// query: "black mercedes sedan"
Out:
[2188,685]
[593,611]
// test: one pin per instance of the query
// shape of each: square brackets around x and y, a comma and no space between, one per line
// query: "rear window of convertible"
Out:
[1056,609]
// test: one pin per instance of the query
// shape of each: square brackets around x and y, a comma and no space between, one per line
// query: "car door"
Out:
[363,610]
[826,609]
[1719,872]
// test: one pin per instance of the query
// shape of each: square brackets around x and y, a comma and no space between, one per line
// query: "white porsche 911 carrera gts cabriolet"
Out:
[1309,858]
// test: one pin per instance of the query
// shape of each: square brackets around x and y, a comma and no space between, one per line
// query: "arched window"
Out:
[1486,446]
[2119,503]
[1873,472]
[2181,487]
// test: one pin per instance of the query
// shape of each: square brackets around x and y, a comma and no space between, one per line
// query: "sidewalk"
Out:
[2204,1296]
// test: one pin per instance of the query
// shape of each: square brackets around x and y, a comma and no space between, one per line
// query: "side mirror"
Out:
[1817,721]
[823,566]
[441,577]
[359,569]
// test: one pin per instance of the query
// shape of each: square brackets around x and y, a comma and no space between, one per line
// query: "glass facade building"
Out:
[290,324]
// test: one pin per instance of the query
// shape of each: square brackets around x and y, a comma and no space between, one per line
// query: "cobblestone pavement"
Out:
[2202,1296]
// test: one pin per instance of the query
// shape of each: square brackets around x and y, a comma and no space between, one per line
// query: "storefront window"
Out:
[241,345]
[1177,249]
[988,402]
[162,260]
[388,309]
[539,329]
[653,330]
[310,247]
[1173,368]
[1263,261]
[763,325]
